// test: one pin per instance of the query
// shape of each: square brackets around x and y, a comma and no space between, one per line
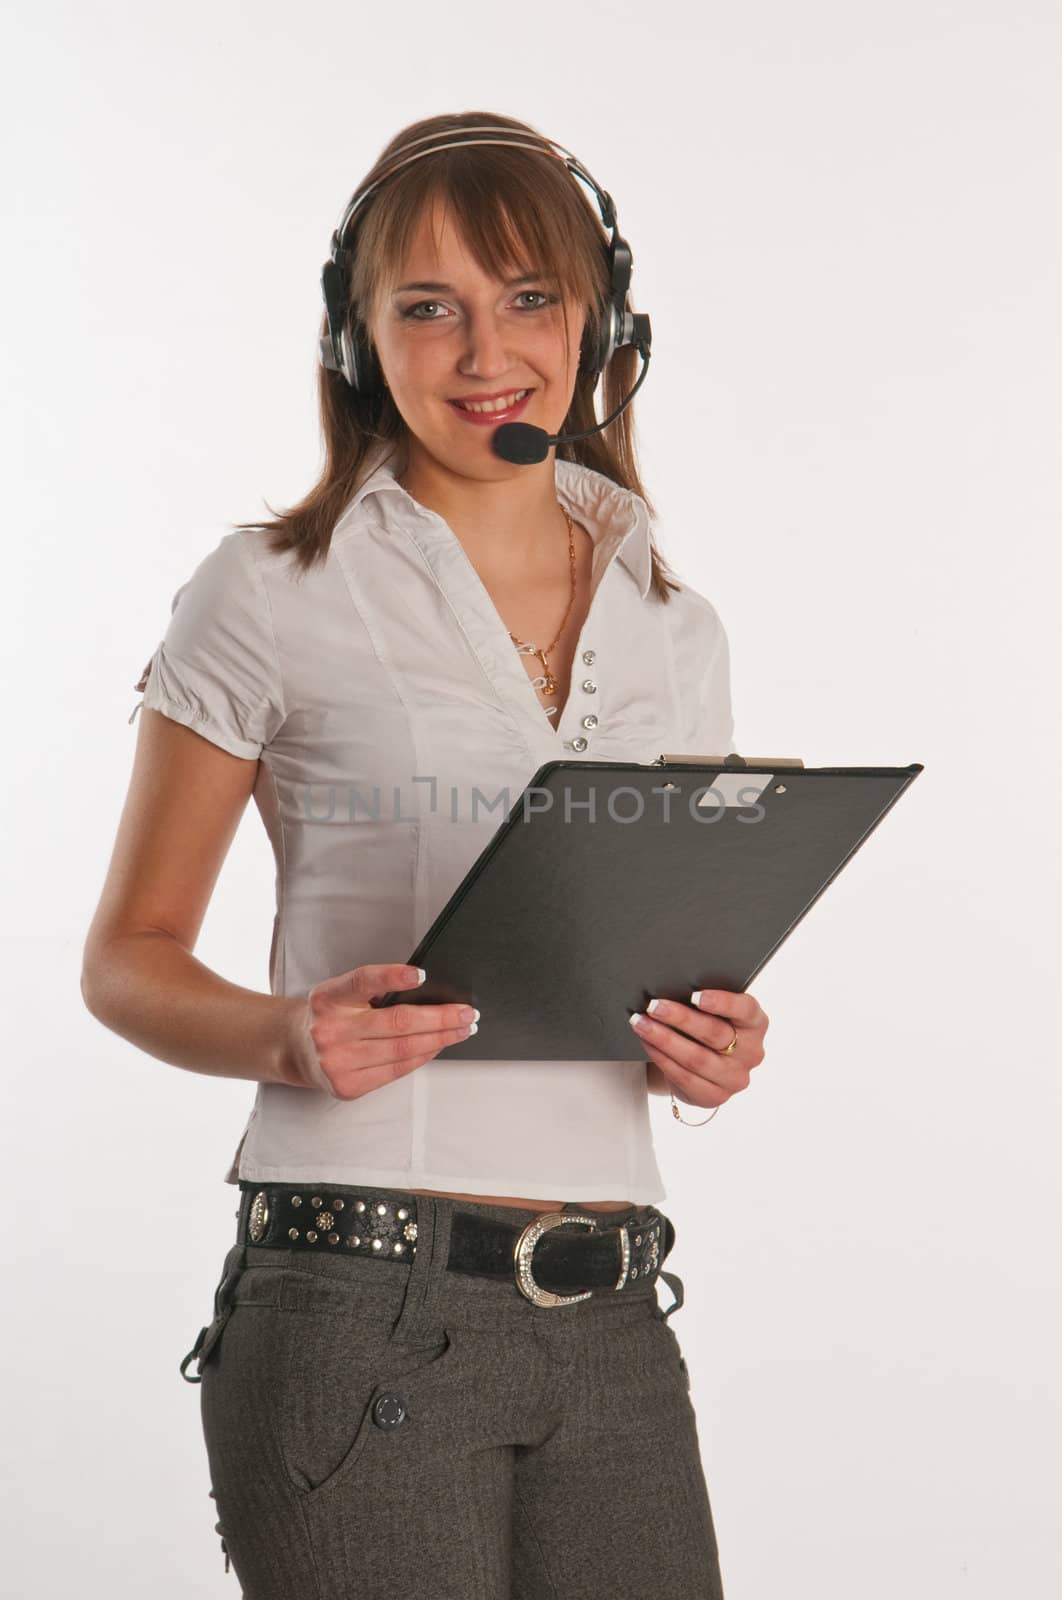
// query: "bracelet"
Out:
[680,1118]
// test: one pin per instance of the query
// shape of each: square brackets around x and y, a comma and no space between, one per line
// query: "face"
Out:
[466,335]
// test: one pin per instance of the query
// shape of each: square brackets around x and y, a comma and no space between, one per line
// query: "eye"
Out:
[410,312]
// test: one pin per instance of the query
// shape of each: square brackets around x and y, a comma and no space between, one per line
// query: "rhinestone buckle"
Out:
[524,1249]
[258,1216]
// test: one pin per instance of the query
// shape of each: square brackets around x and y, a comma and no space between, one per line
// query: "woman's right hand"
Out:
[338,1042]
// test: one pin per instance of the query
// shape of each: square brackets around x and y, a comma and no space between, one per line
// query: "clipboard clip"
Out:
[731,760]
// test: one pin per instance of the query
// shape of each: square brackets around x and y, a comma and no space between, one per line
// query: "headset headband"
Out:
[547,147]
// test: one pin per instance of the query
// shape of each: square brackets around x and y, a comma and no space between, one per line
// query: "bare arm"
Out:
[139,976]
[152,991]
[141,980]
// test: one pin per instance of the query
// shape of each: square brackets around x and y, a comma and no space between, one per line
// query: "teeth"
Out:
[493,405]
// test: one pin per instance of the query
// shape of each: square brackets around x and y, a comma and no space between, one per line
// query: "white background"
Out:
[845,225]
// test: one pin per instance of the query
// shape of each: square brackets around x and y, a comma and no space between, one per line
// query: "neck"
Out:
[508,524]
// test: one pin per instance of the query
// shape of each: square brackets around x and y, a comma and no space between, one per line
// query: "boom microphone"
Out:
[523,444]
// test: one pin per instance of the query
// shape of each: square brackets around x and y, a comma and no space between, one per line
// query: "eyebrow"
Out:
[448,288]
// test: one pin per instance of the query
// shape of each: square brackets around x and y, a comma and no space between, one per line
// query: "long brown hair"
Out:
[500,196]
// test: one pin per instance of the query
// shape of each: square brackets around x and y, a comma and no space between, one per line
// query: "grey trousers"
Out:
[390,1430]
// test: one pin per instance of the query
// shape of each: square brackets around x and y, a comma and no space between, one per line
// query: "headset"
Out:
[345,348]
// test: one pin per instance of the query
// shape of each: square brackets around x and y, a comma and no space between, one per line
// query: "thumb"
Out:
[362,985]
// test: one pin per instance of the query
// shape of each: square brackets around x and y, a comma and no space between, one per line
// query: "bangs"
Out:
[517,211]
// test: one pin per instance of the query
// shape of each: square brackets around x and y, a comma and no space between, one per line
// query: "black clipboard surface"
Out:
[611,882]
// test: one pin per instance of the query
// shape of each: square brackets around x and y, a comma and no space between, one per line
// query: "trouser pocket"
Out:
[341,1377]
[208,1337]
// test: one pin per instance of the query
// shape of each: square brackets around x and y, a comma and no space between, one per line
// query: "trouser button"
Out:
[389,1410]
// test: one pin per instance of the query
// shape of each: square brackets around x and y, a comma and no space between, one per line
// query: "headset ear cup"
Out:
[366,375]
[606,338]
[357,360]
[598,345]
[593,350]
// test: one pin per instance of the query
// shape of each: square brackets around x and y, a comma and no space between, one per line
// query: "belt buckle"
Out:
[525,1247]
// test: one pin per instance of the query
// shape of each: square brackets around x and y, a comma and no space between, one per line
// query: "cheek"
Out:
[406,363]
[410,358]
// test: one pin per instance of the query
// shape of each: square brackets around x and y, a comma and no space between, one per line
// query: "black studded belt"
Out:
[383,1226]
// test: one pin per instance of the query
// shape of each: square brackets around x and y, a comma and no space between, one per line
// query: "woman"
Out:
[418,1381]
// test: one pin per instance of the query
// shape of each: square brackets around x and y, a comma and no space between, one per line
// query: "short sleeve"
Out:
[216,669]
[702,658]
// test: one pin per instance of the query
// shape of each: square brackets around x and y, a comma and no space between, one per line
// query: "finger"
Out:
[727,1072]
[334,999]
[741,1009]
[405,1020]
[392,1033]
[696,1090]
[362,984]
[715,1032]
[374,1069]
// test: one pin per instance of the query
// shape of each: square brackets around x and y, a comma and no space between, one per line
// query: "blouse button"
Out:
[590,721]
[589,685]
[579,744]
[589,657]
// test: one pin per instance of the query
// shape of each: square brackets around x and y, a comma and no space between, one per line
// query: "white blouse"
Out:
[379,691]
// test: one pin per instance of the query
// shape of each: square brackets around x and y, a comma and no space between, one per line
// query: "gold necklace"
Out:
[525,647]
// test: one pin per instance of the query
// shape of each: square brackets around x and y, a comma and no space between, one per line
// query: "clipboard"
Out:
[611,882]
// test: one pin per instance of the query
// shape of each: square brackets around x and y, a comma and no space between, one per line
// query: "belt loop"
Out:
[427,1266]
[192,1354]
[234,1264]
[208,1337]
[674,1283]
[247,1194]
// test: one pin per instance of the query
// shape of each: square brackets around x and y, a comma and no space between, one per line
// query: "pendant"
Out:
[550,685]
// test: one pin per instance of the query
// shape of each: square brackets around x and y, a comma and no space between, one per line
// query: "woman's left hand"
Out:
[685,1044]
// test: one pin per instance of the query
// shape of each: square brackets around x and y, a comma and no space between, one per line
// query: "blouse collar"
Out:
[609,512]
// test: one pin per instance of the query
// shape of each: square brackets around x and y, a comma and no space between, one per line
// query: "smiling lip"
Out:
[489,419]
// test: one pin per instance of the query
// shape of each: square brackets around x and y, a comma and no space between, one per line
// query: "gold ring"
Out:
[729,1051]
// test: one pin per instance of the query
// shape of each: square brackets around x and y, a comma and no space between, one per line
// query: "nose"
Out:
[485,354]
